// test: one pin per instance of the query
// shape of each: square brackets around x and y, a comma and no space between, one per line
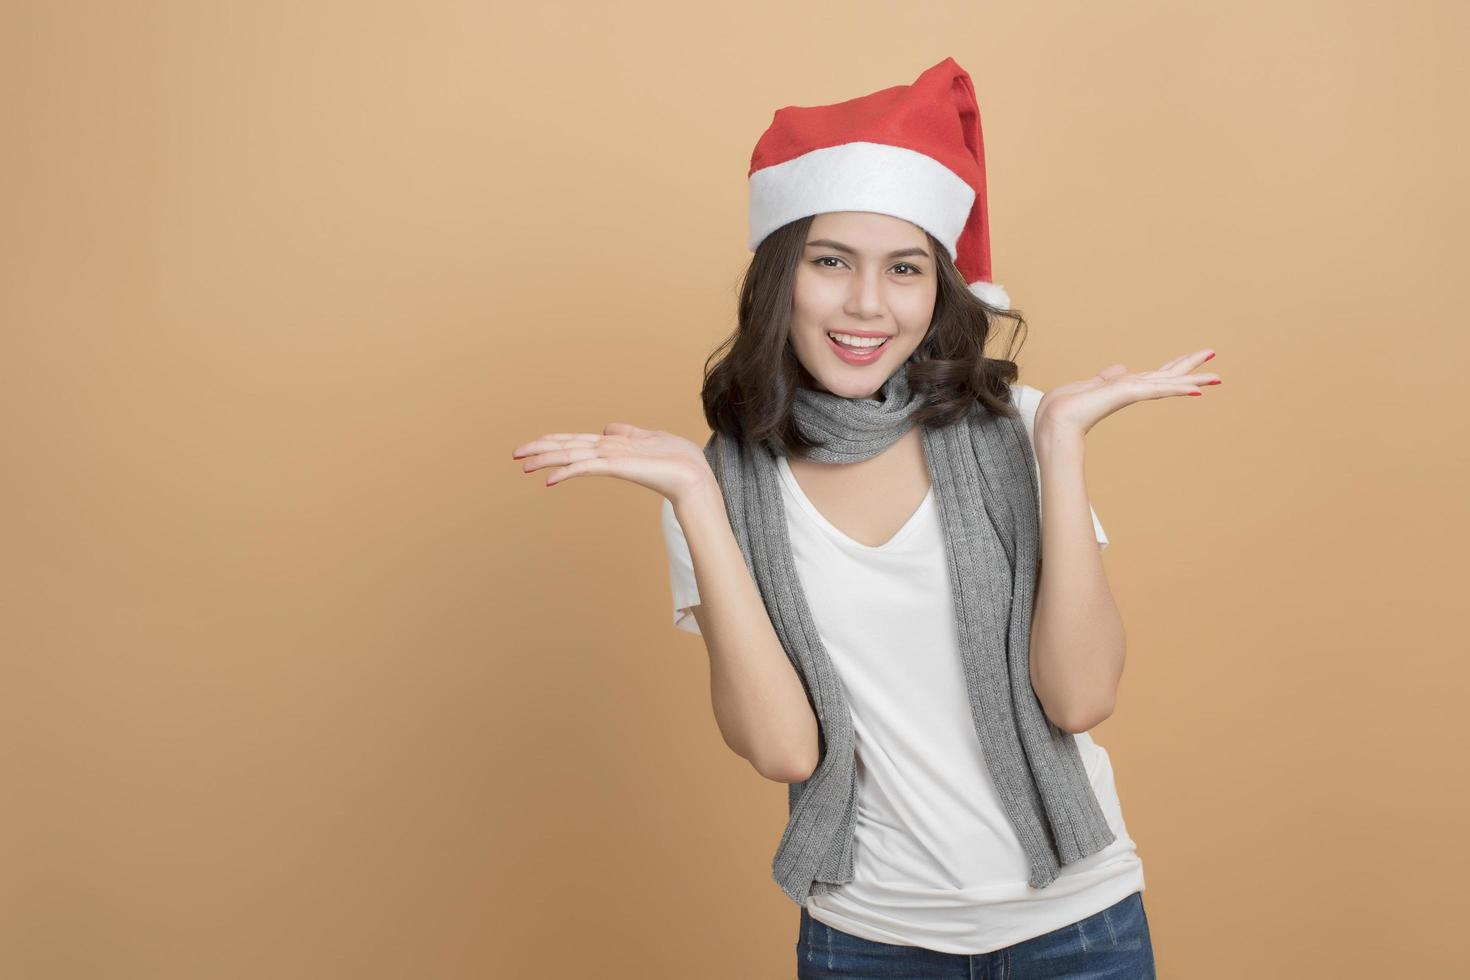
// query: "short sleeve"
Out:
[1027,399]
[681,571]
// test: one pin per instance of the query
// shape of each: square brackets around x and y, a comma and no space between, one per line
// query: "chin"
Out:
[850,387]
[848,380]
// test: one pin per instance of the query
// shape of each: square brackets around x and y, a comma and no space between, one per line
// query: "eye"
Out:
[916,271]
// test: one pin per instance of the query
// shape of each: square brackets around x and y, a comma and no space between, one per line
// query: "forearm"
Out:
[1077,639]
[759,702]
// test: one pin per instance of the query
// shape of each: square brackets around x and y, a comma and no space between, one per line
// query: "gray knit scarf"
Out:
[982,468]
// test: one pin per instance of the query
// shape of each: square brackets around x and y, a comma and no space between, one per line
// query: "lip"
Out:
[864,333]
[859,359]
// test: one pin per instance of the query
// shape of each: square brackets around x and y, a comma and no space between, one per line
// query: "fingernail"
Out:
[1212,354]
[1215,382]
[1196,392]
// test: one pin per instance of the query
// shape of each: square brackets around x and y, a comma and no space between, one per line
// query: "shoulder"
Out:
[1026,399]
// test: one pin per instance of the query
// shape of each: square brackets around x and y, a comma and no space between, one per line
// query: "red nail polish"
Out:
[1215,382]
[1212,354]
[1196,392]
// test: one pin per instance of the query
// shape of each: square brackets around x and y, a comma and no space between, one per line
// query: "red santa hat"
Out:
[911,151]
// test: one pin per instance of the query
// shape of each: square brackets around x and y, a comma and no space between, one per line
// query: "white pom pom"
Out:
[991,293]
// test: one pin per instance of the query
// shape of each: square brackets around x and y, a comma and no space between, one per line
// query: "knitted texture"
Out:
[983,471]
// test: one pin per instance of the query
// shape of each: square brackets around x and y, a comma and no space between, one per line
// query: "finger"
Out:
[561,456]
[555,440]
[1188,362]
[582,467]
[1200,379]
[1160,377]
[1182,359]
[574,435]
[1146,388]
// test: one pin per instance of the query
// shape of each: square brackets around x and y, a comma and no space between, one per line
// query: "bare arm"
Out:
[760,704]
[1077,639]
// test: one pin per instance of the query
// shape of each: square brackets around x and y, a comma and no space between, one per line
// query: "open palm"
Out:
[661,461]
[1078,406]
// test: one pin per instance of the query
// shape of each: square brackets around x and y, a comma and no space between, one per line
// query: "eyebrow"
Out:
[829,243]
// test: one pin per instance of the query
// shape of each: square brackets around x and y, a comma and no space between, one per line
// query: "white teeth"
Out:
[847,340]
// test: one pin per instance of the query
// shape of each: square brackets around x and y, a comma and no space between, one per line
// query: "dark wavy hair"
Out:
[750,379]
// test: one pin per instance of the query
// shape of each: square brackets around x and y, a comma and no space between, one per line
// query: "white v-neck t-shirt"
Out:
[936,861]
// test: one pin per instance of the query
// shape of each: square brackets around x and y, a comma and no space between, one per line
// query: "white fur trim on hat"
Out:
[861,176]
[991,293]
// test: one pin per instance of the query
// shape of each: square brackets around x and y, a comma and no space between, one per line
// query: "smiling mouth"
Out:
[857,345]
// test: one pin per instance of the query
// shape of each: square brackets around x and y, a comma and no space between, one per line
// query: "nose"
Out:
[866,297]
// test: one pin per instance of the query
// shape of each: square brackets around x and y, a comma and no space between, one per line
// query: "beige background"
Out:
[303,678]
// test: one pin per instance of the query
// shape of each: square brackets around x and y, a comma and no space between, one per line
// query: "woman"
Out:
[859,545]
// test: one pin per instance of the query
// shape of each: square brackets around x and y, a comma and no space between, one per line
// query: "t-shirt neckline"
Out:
[833,531]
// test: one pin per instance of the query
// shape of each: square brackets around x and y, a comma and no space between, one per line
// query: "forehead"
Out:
[867,230]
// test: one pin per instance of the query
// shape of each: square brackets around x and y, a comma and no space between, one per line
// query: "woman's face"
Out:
[866,276]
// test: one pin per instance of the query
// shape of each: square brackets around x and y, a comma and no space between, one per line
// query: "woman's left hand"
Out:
[1078,406]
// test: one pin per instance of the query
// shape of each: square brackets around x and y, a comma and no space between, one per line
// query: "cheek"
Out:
[915,305]
[814,297]
[915,314]
[806,326]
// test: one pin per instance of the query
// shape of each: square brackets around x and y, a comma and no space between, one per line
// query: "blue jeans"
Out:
[1113,944]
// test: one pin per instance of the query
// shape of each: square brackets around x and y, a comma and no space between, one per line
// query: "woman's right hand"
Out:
[660,461]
